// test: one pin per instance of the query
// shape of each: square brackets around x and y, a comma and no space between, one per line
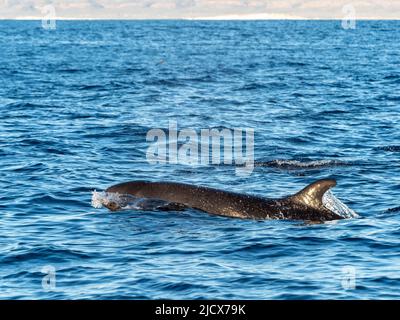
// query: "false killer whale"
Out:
[307,204]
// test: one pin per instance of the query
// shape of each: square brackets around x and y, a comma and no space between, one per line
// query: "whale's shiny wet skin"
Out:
[304,205]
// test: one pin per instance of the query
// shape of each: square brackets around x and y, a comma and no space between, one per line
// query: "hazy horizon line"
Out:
[197,19]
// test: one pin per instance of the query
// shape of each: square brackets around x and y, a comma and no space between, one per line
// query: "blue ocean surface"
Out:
[77,102]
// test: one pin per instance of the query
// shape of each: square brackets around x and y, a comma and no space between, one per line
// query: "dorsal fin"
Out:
[312,194]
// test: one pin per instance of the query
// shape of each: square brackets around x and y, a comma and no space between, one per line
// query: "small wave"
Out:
[386,97]
[56,200]
[69,70]
[391,79]
[332,112]
[31,142]
[389,148]
[335,205]
[296,64]
[31,167]
[392,76]
[254,247]
[204,78]
[55,253]
[298,140]
[396,209]
[297,164]
[173,82]
[90,87]
[21,105]
[181,286]
[252,86]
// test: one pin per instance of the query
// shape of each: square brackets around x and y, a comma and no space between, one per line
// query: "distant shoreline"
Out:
[193,19]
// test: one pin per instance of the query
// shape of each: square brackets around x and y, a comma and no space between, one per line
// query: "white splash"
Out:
[302,164]
[335,205]
[123,201]
[100,199]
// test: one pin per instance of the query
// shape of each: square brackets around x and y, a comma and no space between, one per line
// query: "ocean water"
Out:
[77,102]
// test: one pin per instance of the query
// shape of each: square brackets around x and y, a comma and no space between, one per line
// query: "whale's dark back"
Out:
[203,198]
[227,203]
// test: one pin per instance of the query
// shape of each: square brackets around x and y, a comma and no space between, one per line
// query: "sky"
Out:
[200,9]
